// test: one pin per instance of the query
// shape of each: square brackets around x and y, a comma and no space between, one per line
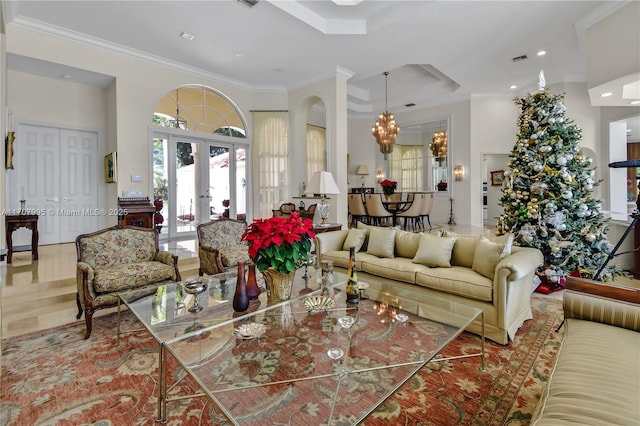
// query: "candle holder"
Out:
[452,221]
[22,206]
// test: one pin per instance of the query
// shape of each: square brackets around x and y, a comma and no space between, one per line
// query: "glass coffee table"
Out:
[315,359]
[168,312]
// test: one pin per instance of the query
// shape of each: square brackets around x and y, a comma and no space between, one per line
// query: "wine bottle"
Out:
[352,278]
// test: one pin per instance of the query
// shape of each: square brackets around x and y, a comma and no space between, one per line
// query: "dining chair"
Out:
[426,210]
[376,211]
[356,208]
[412,213]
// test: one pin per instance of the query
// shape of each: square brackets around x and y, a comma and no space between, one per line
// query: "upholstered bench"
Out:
[119,259]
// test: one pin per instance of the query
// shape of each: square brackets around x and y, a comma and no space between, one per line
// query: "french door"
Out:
[198,180]
[56,172]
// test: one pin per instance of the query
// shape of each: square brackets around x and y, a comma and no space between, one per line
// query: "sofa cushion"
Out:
[355,238]
[595,378]
[486,257]
[132,275]
[463,250]
[231,254]
[340,258]
[458,280]
[382,242]
[407,243]
[434,251]
[399,269]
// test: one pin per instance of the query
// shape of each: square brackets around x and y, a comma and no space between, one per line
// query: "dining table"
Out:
[395,207]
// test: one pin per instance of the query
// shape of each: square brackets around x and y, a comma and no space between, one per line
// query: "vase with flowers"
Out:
[277,246]
[388,187]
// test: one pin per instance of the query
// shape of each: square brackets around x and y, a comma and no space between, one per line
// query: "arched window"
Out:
[198,177]
[199,108]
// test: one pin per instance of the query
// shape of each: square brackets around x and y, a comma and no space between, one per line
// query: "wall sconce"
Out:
[379,176]
[458,172]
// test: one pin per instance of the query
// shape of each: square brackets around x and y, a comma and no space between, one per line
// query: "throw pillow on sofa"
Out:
[407,244]
[486,257]
[381,242]
[435,251]
[355,238]
[463,250]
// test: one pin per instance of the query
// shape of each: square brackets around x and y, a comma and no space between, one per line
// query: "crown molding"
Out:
[65,34]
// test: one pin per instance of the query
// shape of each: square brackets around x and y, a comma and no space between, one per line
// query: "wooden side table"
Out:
[319,229]
[17,221]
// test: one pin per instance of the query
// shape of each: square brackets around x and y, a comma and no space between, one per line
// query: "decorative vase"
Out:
[240,298]
[253,291]
[387,197]
[279,285]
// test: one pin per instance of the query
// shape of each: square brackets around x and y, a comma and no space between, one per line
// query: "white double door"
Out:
[57,171]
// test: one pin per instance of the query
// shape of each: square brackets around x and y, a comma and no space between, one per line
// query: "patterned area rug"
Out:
[54,377]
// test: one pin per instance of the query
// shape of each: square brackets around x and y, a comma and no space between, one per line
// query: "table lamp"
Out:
[362,170]
[322,183]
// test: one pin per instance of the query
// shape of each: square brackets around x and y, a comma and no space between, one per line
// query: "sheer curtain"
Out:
[405,167]
[316,149]
[271,142]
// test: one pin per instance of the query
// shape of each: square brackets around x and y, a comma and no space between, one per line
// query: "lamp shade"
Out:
[362,170]
[322,183]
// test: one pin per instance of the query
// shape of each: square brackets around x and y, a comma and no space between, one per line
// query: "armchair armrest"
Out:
[84,277]
[604,303]
[210,260]
[170,259]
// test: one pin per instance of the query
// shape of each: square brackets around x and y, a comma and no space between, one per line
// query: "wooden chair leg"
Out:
[88,319]
[79,315]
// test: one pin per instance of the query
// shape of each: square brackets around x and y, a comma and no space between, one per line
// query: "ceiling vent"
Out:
[410,104]
[249,3]
[519,58]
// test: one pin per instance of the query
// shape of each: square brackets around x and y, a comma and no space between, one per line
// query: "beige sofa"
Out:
[596,375]
[472,270]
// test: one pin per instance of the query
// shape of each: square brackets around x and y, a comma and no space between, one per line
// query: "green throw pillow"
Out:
[381,242]
[355,238]
[434,251]
[487,256]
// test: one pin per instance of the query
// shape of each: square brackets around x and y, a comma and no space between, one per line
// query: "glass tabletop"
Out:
[168,313]
[319,361]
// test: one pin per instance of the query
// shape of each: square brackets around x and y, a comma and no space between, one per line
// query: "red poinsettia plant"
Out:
[389,186]
[282,243]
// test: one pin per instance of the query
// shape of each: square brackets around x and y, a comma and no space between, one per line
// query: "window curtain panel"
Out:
[316,149]
[271,140]
[405,167]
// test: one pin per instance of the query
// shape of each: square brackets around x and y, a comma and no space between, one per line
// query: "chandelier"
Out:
[177,122]
[386,129]
[439,145]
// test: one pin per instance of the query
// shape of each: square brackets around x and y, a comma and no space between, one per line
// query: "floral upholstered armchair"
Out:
[219,245]
[118,259]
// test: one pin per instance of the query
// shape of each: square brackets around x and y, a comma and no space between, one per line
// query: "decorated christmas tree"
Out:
[547,193]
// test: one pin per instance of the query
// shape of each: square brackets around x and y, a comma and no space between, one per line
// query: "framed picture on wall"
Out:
[497,177]
[110,168]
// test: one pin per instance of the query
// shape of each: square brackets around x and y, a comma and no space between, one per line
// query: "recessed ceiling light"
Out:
[606,94]
[542,52]
[634,103]
[187,36]
[513,86]
[66,76]
[238,55]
